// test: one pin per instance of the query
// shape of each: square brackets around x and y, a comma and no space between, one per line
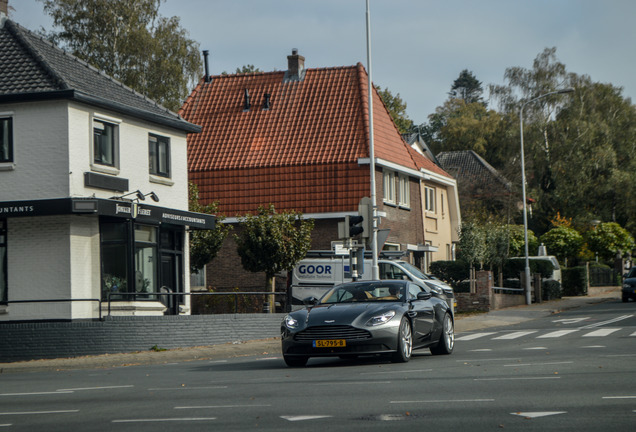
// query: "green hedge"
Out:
[453,272]
[574,281]
[550,290]
[514,266]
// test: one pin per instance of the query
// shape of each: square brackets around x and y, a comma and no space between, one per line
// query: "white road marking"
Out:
[515,335]
[633,334]
[492,359]
[35,393]
[442,401]
[594,346]
[94,388]
[571,320]
[397,371]
[185,388]
[538,414]
[601,332]
[473,336]
[556,334]
[39,412]
[164,420]
[536,348]
[351,383]
[222,406]
[517,379]
[481,350]
[613,320]
[619,397]
[539,364]
[305,417]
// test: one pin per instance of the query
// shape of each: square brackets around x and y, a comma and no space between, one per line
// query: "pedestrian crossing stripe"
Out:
[551,335]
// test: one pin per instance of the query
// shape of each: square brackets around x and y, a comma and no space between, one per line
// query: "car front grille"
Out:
[332,332]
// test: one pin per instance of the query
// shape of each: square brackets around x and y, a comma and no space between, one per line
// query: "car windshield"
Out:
[632,272]
[366,292]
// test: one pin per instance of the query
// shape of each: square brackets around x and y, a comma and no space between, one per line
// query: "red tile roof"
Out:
[301,153]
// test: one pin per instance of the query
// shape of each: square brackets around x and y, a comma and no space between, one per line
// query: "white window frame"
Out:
[404,197]
[388,181]
[429,199]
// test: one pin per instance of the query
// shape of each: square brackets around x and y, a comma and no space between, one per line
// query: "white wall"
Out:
[40,152]
[39,267]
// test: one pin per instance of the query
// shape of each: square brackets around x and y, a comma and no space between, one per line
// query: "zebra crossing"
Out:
[588,331]
[554,334]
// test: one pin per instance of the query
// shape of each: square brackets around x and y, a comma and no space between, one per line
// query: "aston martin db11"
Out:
[387,317]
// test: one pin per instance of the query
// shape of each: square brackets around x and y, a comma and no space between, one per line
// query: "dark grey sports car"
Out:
[369,318]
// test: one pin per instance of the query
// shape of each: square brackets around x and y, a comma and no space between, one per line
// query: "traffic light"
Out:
[353,225]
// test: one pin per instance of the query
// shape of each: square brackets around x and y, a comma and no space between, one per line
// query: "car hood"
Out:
[630,281]
[344,313]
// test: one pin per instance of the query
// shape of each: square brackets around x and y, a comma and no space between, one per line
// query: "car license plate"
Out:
[329,343]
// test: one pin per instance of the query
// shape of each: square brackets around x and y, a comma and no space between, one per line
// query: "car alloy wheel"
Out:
[405,342]
[447,338]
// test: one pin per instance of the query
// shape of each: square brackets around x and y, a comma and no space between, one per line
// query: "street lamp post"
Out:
[523,189]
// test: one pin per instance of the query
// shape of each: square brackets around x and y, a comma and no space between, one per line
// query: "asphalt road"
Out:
[568,371]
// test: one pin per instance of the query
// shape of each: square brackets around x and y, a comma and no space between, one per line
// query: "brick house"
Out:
[299,139]
[81,156]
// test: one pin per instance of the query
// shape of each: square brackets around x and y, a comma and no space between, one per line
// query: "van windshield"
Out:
[416,272]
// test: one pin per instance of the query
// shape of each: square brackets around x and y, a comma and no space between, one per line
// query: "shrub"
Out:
[452,272]
[574,281]
[550,290]
[514,266]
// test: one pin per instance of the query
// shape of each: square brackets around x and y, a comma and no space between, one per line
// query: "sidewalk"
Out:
[271,347]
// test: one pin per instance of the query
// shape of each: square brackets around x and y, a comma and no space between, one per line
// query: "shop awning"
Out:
[107,207]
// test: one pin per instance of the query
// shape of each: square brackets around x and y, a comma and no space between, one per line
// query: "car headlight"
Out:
[381,319]
[290,322]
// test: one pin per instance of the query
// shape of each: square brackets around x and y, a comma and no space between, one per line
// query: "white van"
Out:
[314,276]
[556,273]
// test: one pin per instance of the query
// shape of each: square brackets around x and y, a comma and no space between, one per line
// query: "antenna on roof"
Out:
[246,104]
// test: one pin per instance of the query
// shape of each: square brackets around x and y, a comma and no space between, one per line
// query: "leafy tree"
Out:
[472,243]
[467,88]
[608,239]
[245,69]
[130,41]
[397,108]
[517,241]
[563,242]
[205,244]
[272,242]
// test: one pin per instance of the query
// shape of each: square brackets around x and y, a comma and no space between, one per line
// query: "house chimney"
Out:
[4,7]
[295,66]
[205,63]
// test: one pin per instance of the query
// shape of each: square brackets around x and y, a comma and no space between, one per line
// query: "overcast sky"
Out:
[418,47]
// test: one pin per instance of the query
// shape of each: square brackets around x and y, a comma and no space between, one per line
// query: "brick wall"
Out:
[39,340]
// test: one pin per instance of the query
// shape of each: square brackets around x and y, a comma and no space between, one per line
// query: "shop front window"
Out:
[145,259]
[114,259]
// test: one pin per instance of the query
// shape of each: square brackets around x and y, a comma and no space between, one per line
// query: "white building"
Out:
[81,155]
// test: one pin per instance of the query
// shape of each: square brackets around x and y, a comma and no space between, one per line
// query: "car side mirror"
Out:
[423,295]
[310,301]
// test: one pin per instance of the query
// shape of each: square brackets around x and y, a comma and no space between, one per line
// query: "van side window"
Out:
[390,271]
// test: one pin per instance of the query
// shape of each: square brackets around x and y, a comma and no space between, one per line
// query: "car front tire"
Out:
[405,342]
[447,339]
